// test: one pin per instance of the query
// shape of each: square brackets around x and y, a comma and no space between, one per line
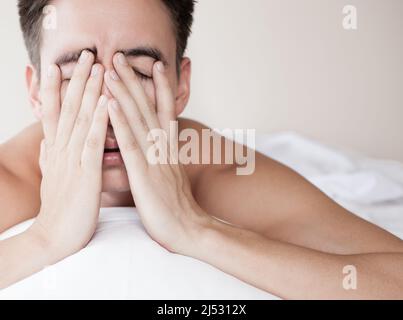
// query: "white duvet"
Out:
[122,262]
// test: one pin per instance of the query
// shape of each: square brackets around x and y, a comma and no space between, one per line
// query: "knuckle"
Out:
[93,143]
[142,122]
[60,151]
[149,113]
[151,109]
[130,145]
[67,107]
[122,120]
[48,88]
[83,120]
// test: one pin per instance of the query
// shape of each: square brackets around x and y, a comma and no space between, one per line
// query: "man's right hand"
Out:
[71,158]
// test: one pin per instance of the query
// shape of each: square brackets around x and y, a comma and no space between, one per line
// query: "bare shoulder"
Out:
[20,177]
[20,154]
[185,123]
[264,163]
[192,170]
[281,204]
[189,130]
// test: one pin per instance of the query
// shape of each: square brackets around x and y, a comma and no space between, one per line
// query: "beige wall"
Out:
[289,65]
[274,65]
[15,111]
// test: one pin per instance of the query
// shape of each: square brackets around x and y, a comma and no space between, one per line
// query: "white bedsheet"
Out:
[122,262]
[371,188]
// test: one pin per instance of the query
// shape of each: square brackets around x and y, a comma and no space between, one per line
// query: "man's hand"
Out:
[71,158]
[161,192]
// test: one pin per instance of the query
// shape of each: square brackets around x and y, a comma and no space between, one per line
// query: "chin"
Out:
[115,179]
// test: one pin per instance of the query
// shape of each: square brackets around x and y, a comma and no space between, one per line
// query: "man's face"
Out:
[140,28]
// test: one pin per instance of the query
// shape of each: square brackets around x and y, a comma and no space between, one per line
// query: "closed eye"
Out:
[141,75]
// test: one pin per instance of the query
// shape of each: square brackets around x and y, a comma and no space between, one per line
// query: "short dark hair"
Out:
[31,15]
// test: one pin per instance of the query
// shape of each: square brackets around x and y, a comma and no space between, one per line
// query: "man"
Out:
[107,75]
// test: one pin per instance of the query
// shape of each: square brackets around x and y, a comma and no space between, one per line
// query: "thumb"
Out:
[43,156]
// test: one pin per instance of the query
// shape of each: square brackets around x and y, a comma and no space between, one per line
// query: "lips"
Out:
[112,156]
[111,144]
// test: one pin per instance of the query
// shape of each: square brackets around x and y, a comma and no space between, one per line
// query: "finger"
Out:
[90,101]
[164,96]
[132,154]
[50,96]
[73,98]
[42,156]
[166,108]
[136,90]
[93,152]
[124,101]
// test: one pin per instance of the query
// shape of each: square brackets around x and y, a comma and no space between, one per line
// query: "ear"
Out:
[183,91]
[33,85]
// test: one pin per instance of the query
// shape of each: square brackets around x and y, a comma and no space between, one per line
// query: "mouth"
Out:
[111,150]
[112,155]
[112,158]
[111,144]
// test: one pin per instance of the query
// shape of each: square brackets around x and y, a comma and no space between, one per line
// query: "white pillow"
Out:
[122,262]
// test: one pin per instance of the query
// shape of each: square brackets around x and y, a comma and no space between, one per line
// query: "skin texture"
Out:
[283,236]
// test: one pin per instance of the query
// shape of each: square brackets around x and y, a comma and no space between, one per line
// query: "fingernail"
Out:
[160,67]
[114,75]
[122,59]
[95,70]
[102,101]
[51,71]
[83,57]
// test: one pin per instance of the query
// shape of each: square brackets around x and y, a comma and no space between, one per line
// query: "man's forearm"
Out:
[293,272]
[21,256]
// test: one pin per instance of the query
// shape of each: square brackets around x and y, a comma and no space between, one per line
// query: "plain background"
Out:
[273,65]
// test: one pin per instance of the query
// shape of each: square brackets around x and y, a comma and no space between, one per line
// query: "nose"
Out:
[106,92]
[108,66]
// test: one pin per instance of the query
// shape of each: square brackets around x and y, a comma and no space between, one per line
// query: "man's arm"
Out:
[21,256]
[174,219]
[20,178]
[278,203]
[294,272]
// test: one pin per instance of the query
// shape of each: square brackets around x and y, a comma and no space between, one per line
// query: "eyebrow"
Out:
[150,52]
[72,57]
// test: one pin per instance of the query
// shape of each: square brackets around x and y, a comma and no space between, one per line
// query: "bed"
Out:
[122,262]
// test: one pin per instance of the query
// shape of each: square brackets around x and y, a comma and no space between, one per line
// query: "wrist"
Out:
[197,231]
[44,245]
[24,255]
[39,244]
